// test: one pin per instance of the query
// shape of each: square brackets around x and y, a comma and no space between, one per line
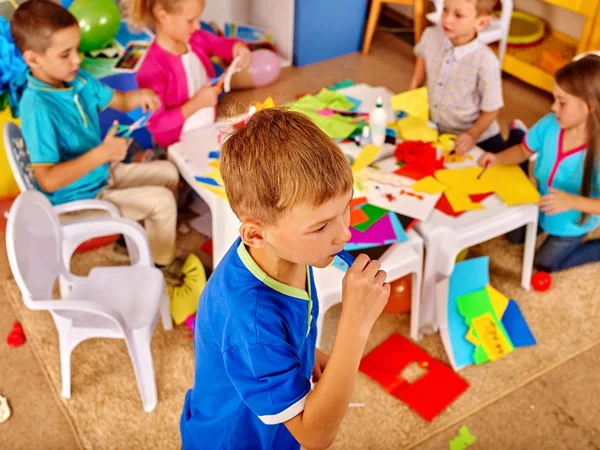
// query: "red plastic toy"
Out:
[16,338]
[541,281]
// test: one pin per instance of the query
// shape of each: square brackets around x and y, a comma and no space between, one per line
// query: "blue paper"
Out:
[468,276]
[516,326]
[215,154]
[206,180]
[355,102]
[398,228]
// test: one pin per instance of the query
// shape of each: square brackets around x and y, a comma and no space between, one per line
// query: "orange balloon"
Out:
[400,295]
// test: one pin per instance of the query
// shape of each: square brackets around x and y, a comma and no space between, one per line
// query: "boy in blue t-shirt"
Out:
[60,125]
[290,185]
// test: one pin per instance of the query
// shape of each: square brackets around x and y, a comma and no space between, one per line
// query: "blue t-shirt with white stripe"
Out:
[254,345]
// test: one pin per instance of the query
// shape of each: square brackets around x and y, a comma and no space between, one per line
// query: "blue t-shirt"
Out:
[254,345]
[61,124]
[562,171]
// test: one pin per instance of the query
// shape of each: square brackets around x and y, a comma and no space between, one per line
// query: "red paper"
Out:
[207,247]
[358,216]
[358,201]
[420,159]
[444,206]
[429,395]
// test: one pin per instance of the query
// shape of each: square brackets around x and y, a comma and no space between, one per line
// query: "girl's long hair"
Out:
[581,78]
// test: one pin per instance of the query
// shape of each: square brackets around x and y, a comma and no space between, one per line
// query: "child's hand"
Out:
[321,360]
[487,160]
[556,202]
[464,143]
[114,148]
[149,101]
[364,293]
[240,49]
[207,96]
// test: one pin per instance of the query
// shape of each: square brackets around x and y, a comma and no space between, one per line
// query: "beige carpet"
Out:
[106,411]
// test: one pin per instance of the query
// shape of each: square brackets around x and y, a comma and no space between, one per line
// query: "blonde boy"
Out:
[463,76]
[255,335]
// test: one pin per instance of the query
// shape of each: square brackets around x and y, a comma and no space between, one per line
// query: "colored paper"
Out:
[460,202]
[499,301]
[470,336]
[465,180]
[444,206]
[357,216]
[373,213]
[367,155]
[430,394]
[493,340]
[415,129]
[336,126]
[384,231]
[357,201]
[468,276]
[413,102]
[412,171]
[463,440]
[516,326]
[401,200]
[429,185]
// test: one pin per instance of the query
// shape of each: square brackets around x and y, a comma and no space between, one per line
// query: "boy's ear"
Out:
[482,22]
[252,234]
[31,58]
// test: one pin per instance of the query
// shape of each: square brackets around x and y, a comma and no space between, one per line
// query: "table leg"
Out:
[528,254]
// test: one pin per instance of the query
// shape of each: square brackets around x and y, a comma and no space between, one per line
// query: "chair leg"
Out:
[138,345]
[528,255]
[63,327]
[165,312]
[371,25]
[415,306]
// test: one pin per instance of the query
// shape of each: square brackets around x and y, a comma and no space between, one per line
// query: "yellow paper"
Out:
[429,185]
[413,103]
[453,158]
[492,339]
[416,129]
[446,141]
[466,180]
[460,201]
[220,191]
[470,336]
[512,185]
[366,156]
[214,164]
[499,301]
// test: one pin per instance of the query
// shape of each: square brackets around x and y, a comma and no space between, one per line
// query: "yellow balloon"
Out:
[8,185]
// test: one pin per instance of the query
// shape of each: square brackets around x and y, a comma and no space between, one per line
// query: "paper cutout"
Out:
[516,326]
[460,202]
[499,301]
[468,276]
[446,142]
[365,158]
[429,185]
[357,201]
[430,394]
[415,129]
[463,440]
[401,200]
[465,180]
[444,206]
[374,214]
[413,102]
[470,336]
[385,231]
[357,216]
[492,338]
[411,171]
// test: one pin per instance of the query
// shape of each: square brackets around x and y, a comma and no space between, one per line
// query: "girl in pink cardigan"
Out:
[177,66]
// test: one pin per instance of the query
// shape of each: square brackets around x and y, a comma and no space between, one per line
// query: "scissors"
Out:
[126,130]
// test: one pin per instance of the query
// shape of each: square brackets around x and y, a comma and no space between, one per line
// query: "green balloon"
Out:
[99,21]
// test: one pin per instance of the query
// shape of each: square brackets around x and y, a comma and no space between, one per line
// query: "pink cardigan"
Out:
[163,72]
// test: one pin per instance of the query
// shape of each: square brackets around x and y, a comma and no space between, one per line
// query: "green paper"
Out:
[336,126]
[374,213]
[464,439]
[309,102]
[341,85]
[476,304]
[334,100]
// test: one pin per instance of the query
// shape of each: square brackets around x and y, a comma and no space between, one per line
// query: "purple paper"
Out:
[380,232]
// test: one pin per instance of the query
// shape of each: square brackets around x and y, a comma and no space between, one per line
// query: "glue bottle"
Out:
[377,122]
[365,138]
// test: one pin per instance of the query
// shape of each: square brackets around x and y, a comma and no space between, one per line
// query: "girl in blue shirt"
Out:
[567,144]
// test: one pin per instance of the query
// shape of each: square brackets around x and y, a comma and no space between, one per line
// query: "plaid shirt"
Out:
[462,82]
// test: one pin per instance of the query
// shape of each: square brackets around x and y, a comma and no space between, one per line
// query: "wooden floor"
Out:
[558,411]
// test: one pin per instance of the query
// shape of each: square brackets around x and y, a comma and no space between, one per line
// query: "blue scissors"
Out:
[126,130]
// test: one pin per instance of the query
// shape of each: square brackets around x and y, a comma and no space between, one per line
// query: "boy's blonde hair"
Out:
[278,160]
[35,21]
[485,7]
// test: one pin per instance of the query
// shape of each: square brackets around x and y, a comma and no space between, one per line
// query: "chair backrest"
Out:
[18,158]
[34,246]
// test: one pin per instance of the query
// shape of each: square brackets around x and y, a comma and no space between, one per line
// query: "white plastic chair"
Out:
[497,30]
[399,260]
[445,237]
[112,302]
